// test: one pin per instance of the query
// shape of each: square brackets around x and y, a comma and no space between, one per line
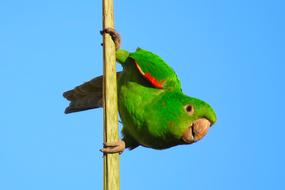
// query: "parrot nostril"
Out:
[189,108]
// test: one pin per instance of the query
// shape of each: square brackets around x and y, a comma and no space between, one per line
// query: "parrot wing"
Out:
[155,70]
[86,96]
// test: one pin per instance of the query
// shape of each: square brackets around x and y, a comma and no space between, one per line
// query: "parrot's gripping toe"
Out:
[114,35]
[113,147]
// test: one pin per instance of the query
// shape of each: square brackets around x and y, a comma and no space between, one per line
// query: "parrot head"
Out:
[187,118]
[197,118]
[200,123]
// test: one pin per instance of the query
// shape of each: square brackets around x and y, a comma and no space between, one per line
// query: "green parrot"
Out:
[154,111]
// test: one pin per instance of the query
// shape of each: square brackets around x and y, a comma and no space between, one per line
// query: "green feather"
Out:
[152,117]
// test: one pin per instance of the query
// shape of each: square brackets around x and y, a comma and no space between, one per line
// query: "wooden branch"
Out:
[110,103]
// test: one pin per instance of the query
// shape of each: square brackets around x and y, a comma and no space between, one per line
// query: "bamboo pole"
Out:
[111,161]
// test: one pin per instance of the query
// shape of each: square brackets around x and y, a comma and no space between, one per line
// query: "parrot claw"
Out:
[113,147]
[114,35]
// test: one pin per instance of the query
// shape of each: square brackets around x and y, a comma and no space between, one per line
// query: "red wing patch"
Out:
[153,81]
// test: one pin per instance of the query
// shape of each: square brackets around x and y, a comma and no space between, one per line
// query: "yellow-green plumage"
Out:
[154,111]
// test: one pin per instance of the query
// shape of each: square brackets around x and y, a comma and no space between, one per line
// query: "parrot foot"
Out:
[114,35]
[113,147]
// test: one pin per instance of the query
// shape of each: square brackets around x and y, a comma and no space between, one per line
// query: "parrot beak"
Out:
[196,131]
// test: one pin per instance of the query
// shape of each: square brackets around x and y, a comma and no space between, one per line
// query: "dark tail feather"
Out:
[86,96]
[85,103]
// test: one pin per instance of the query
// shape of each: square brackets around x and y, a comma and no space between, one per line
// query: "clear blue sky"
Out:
[228,53]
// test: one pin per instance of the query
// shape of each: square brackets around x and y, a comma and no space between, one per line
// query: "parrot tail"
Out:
[88,95]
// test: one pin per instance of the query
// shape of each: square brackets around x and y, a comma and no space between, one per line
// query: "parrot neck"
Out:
[121,56]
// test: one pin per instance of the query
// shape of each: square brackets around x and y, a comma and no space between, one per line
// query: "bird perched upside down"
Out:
[154,111]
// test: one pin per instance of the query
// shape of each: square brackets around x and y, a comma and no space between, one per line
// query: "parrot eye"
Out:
[189,108]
